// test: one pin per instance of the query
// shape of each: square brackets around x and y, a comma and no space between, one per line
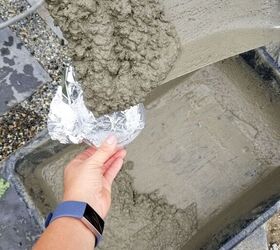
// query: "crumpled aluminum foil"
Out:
[69,121]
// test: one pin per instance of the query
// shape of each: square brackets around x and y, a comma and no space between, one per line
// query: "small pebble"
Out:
[274,247]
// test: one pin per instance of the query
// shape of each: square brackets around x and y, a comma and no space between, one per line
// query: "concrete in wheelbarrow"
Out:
[254,38]
[210,31]
[214,30]
[205,167]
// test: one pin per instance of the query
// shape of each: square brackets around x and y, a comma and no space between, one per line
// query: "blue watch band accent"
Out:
[82,211]
[72,209]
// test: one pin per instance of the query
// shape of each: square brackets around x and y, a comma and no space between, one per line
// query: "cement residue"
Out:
[209,161]
[146,221]
[136,220]
[248,111]
[121,49]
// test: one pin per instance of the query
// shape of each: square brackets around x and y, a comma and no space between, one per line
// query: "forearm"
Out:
[66,233]
[91,172]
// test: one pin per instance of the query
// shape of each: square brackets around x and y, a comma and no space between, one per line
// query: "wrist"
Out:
[82,212]
[86,200]
[96,209]
[74,225]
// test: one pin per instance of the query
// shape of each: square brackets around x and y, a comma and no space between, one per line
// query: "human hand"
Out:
[90,175]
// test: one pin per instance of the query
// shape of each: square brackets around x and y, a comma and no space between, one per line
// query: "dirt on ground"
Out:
[273,235]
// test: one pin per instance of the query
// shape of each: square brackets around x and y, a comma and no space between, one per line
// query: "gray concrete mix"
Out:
[192,171]
[12,200]
[121,49]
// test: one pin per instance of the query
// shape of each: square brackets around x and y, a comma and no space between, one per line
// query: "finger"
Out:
[86,154]
[104,152]
[118,154]
[113,171]
[108,163]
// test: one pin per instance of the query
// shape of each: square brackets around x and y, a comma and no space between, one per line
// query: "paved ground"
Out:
[17,229]
[256,241]
[47,55]
[20,73]
[274,232]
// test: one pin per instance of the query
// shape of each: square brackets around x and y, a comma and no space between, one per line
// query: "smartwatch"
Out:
[81,211]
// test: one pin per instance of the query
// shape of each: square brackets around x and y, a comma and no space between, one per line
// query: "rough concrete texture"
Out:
[209,31]
[211,137]
[217,29]
[154,223]
[121,49]
[151,218]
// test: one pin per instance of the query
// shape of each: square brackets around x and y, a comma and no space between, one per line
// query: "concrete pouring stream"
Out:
[123,49]
[210,153]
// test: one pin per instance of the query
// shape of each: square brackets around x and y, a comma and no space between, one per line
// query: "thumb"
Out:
[104,152]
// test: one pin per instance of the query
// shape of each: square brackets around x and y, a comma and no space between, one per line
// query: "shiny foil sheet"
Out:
[69,121]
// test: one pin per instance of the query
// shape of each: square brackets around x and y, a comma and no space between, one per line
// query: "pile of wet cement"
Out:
[145,221]
[121,49]
[136,220]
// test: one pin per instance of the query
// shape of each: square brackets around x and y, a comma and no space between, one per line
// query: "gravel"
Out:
[274,232]
[26,119]
[274,247]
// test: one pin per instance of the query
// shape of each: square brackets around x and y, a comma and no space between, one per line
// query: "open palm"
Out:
[90,175]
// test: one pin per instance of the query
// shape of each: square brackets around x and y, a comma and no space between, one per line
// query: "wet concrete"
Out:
[213,30]
[208,32]
[121,49]
[205,166]
[145,212]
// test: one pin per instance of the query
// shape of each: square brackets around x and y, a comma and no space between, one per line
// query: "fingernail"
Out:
[125,153]
[111,140]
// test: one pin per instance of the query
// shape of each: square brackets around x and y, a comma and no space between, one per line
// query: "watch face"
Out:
[94,219]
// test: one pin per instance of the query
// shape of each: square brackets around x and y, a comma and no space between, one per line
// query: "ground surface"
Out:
[17,229]
[256,241]
[273,227]
[46,53]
